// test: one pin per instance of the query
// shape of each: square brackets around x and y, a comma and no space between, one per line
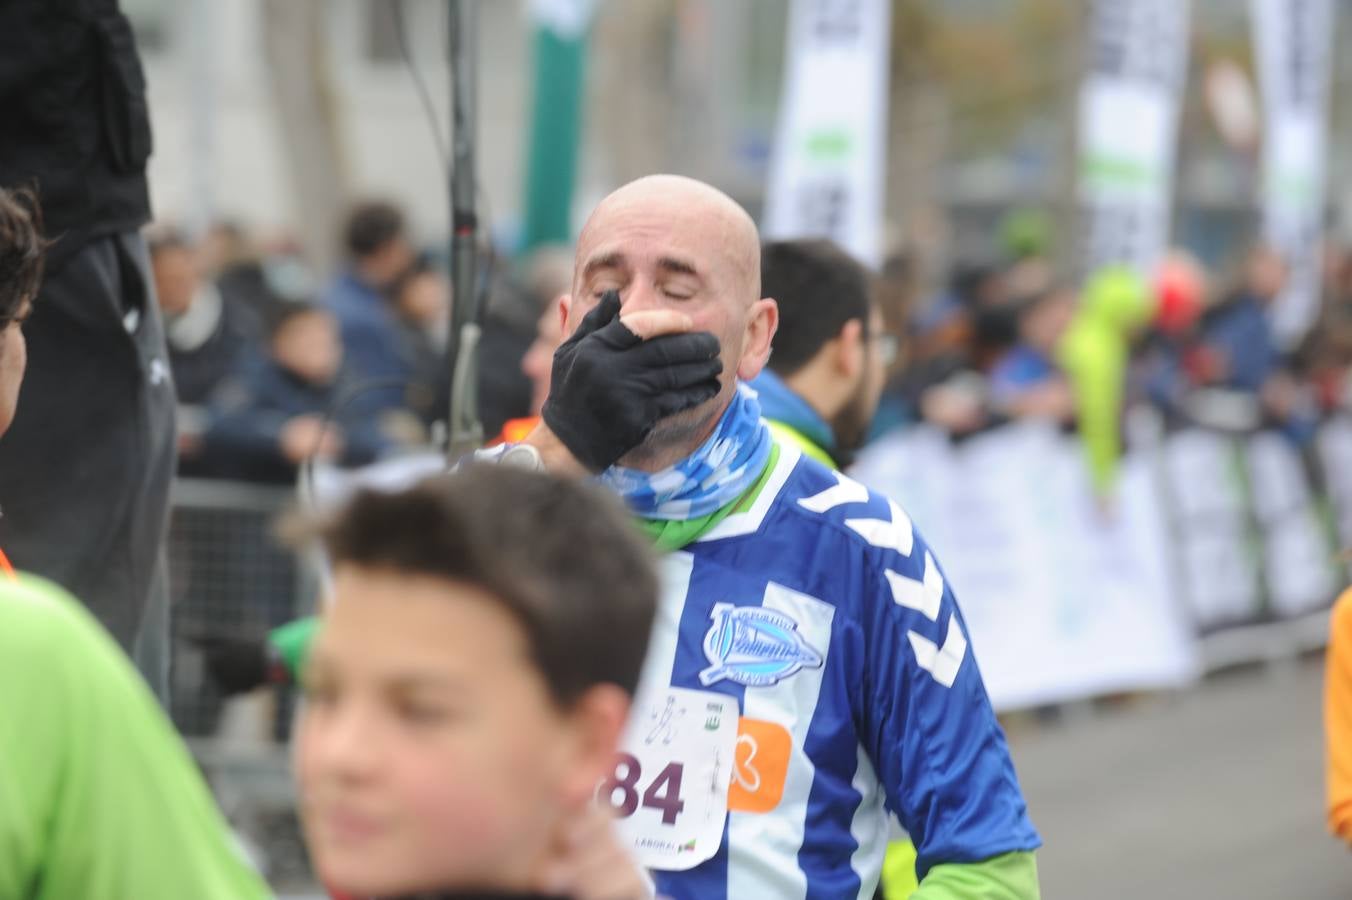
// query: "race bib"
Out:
[669,787]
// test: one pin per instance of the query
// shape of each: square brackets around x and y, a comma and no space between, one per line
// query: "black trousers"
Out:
[86,467]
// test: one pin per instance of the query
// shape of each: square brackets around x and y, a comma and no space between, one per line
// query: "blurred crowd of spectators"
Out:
[273,363]
[1007,339]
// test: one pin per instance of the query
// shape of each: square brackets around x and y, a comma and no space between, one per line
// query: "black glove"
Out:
[610,387]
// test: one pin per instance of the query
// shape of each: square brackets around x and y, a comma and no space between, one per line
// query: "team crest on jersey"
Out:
[755,647]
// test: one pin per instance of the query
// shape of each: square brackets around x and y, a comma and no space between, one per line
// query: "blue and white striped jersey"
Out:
[823,614]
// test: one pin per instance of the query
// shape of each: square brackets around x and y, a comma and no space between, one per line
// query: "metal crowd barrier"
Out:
[231,576]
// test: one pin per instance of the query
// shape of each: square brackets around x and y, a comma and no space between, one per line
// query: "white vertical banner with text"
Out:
[1293,40]
[826,174]
[1128,131]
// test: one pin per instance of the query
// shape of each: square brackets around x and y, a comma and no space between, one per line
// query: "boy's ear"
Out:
[598,719]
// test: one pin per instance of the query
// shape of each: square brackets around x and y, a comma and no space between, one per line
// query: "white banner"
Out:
[826,175]
[1129,104]
[1293,39]
[1063,601]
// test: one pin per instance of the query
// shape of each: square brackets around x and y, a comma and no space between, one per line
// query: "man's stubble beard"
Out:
[677,436]
[851,425]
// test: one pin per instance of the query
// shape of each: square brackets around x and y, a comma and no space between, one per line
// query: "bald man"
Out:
[809,670]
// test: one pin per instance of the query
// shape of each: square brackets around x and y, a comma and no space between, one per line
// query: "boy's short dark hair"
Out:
[561,556]
[22,251]
[286,313]
[819,287]
[372,225]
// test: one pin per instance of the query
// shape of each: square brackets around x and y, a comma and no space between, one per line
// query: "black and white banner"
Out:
[1129,103]
[1293,40]
[826,175]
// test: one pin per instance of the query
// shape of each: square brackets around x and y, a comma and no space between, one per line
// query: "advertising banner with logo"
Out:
[1293,40]
[1129,104]
[826,173]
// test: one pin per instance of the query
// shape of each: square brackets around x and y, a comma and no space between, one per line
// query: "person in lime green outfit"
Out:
[99,799]
[1115,305]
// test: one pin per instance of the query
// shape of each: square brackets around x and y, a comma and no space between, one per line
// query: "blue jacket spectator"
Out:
[1026,380]
[1237,336]
[380,253]
[271,416]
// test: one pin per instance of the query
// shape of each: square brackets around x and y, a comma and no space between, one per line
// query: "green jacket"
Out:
[99,799]
[1094,353]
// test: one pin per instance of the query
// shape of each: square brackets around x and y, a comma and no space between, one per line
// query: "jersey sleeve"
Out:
[927,722]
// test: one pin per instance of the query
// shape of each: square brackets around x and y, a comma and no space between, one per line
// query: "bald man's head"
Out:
[689,205]
[666,242]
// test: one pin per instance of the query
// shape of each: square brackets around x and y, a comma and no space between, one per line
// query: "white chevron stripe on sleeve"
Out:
[897,534]
[941,662]
[845,490]
[922,596]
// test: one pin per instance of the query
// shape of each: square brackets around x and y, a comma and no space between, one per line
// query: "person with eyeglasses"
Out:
[831,353]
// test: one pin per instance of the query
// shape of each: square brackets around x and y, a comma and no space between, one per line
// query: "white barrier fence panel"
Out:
[1064,597]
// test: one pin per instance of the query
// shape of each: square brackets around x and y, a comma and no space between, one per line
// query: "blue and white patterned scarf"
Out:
[721,470]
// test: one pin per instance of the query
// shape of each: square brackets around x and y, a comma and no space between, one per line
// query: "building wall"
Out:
[218,149]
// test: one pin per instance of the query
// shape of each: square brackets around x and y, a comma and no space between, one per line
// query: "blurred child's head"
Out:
[422,297]
[468,688]
[174,265]
[305,341]
[1045,316]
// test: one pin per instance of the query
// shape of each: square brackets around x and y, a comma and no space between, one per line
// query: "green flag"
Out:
[556,116]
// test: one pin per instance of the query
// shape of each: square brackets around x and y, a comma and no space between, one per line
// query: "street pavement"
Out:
[1215,792]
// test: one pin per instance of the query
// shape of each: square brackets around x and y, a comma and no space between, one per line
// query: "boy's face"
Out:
[430,755]
[310,346]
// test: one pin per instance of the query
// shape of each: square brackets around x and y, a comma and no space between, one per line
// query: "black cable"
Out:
[479,301]
[345,397]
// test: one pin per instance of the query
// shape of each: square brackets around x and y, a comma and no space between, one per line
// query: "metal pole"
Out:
[466,431]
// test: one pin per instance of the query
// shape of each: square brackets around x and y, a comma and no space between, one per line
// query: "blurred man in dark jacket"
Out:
[379,254]
[205,330]
[85,471]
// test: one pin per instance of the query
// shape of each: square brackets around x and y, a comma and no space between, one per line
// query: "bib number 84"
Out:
[621,789]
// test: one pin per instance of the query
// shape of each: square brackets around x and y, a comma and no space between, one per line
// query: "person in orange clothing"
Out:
[537,366]
[1338,719]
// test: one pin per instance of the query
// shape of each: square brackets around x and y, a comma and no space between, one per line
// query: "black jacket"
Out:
[73,117]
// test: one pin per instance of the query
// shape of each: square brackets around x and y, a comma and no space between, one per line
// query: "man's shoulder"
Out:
[836,503]
[817,506]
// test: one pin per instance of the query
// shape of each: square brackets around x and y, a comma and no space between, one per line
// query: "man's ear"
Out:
[761,324]
[850,352]
[598,719]
[565,309]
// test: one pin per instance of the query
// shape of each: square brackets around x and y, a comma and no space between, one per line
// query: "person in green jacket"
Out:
[1116,304]
[99,799]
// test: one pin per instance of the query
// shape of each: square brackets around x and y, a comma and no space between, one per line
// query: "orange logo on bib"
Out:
[761,765]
